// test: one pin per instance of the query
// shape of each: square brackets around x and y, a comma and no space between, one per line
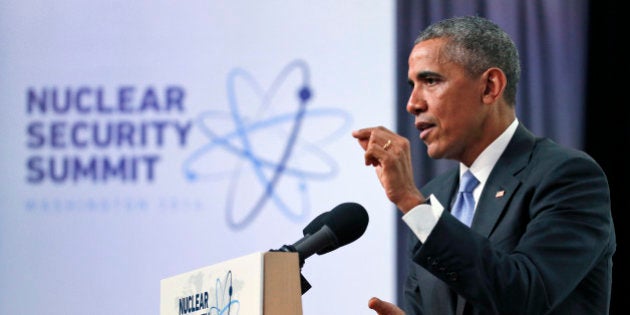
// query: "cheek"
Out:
[457,104]
[446,109]
[454,122]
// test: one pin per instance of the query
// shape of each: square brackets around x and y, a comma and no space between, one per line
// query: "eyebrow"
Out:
[423,75]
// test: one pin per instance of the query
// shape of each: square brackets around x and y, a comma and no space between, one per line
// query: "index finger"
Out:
[363,134]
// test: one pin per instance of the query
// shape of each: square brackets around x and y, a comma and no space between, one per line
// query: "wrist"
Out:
[406,204]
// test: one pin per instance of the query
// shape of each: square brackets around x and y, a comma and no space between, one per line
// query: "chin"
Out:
[434,153]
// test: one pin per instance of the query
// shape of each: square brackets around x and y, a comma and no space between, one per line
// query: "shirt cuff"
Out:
[423,218]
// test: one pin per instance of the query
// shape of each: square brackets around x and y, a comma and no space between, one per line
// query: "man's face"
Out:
[446,102]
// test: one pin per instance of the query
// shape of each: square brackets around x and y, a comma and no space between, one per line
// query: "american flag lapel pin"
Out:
[499,194]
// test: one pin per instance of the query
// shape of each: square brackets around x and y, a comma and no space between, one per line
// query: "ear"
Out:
[494,81]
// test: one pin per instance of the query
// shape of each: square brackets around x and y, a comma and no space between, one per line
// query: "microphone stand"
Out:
[304,284]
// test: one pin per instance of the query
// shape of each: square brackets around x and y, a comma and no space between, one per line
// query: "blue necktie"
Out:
[464,207]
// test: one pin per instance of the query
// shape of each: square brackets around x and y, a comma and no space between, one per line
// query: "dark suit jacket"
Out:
[541,241]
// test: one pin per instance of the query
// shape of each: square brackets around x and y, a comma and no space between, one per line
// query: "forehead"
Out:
[431,57]
[431,51]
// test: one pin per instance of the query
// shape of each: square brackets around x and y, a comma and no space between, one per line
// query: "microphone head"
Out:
[348,221]
[316,223]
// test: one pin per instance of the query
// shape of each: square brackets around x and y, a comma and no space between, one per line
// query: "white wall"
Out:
[230,71]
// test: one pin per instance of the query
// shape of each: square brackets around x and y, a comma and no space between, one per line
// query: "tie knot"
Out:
[469,182]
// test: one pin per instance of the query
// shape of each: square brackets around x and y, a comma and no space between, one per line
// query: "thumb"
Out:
[384,308]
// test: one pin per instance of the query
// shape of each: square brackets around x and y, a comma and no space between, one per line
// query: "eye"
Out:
[430,80]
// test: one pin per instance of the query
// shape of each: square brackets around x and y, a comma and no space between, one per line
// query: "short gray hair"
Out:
[478,44]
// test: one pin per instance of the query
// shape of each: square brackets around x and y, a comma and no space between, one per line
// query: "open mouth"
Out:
[424,128]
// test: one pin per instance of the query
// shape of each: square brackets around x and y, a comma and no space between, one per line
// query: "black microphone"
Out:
[330,230]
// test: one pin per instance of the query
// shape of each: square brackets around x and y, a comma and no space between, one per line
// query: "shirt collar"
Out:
[482,166]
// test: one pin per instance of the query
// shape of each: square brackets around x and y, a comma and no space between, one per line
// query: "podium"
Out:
[262,283]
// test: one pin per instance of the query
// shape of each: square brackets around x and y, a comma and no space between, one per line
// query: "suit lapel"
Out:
[502,182]
[492,203]
[446,190]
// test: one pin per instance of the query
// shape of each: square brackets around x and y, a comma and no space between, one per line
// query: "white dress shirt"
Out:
[422,218]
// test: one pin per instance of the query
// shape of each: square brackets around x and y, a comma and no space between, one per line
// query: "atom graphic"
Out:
[269,139]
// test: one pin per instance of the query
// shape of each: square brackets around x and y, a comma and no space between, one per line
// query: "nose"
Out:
[415,104]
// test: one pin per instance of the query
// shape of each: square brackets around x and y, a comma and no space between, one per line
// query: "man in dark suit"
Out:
[541,238]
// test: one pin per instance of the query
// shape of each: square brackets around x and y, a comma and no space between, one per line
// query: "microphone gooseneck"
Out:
[328,231]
